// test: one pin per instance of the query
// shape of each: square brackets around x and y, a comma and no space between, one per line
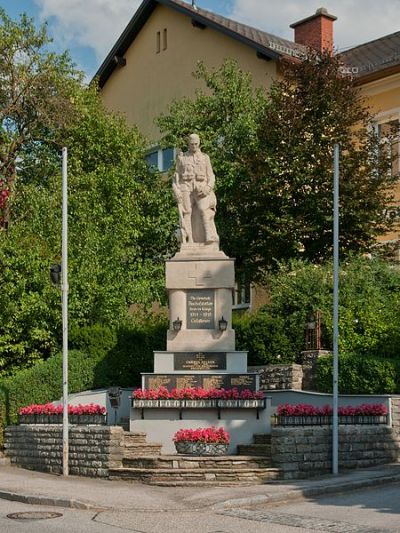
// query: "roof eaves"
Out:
[127,36]
[377,74]
[138,20]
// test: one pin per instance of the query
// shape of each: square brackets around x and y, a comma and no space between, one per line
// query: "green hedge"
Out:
[264,337]
[360,375]
[98,357]
[43,383]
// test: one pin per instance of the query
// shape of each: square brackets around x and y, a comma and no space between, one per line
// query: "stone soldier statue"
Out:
[193,186]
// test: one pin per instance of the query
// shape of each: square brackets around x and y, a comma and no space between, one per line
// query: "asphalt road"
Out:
[374,510]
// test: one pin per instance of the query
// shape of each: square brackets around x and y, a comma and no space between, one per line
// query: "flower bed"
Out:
[53,414]
[305,415]
[202,441]
[197,393]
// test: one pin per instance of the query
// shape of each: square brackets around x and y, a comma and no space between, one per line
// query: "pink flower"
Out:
[208,435]
[51,409]
[303,409]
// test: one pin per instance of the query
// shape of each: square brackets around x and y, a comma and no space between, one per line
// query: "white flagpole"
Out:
[64,290]
[335,420]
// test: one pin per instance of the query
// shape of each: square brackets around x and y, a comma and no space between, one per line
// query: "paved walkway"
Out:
[87,493]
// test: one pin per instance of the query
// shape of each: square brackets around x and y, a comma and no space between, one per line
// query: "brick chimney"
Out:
[315,31]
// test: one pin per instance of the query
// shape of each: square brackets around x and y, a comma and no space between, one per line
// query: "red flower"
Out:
[211,434]
[51,409]
[303,409]
[196,393]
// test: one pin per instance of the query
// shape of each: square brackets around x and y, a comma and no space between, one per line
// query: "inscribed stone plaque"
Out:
[200,309]
[243,381]
[200,361]
[157,381]
[206,381]
[183,382]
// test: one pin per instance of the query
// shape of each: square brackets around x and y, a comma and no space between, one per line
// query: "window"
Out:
[161,159]
[388,128]
[152,159]
[241,296]
[158,42]
[165,39]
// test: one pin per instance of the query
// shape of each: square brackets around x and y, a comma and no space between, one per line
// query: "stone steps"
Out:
[196,476]
[255,449]
[139,450]
[134,438]
[262,438]
[162,462]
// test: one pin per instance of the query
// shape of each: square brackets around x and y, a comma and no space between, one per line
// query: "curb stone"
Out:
[31,499]
[303,493]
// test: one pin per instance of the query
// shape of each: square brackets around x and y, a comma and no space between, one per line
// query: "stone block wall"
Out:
[92,449]
[279,376]
[396,413]
[303,452]
[309,360]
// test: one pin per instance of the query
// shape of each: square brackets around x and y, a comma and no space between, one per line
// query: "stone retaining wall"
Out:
[279,376]
[93,450]
[307,451]
[396,413]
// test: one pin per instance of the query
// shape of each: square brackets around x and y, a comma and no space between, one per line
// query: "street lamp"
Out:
[177,324]
[114,396]
[55,274]
[222,324]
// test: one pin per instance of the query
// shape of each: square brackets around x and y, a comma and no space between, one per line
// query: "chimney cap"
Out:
[321,12]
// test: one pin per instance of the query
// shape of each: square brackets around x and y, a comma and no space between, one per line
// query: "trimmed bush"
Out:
[264,337]
[43,383]
[360,375]
[132,354]
[105,357]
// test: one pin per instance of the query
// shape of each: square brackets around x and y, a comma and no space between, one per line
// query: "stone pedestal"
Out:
[200,280]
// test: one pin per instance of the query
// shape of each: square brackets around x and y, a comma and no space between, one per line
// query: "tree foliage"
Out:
[369,304]
[121,221]
[272,152]
[35,96]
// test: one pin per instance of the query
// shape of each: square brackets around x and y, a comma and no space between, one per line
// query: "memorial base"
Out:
[160,425]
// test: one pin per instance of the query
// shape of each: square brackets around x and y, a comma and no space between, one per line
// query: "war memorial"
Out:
[200,351]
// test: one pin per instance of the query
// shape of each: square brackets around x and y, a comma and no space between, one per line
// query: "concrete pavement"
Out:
[38,488]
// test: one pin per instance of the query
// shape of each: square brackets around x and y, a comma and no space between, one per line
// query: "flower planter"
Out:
[200,404]
[320,420]
[170,403]
[58,419]
[201,448]
[139,404]
[97,420]
[241,404]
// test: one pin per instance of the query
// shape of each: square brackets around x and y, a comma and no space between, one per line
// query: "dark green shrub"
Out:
[96,340]
[264,337]
[360,375]
[43,383]
[132,353]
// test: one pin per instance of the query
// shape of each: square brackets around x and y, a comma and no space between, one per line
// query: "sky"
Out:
[89,28]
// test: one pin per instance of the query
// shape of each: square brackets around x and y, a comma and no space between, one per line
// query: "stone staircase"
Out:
[260,447]
[143,462]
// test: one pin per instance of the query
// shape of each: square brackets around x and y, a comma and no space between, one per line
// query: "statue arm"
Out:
[210,174]
[175,182]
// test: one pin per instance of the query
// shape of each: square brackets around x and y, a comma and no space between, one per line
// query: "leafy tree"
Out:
[273,153]
[369,305]
[226,116]
[35,97]
[121,224]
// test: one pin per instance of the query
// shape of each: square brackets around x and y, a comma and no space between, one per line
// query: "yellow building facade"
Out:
[153,61]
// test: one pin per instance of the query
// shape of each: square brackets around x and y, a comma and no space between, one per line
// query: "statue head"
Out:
[194,143]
